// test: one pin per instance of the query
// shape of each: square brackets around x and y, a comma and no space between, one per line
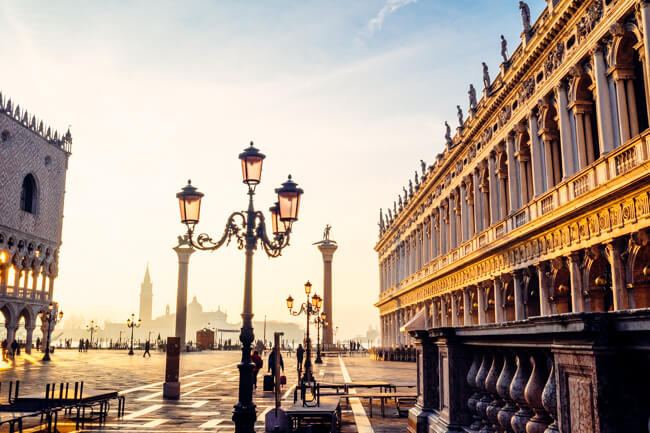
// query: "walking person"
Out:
[146,349]
[14,348]
[300,353]
[271,362]
[257,366]
[4,349]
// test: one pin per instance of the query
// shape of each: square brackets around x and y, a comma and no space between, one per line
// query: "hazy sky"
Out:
[347,96]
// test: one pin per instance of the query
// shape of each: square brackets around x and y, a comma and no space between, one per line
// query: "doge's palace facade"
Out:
[539,204]
[33,165]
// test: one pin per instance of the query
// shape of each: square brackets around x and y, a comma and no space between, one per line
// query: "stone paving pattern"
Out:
[209,387]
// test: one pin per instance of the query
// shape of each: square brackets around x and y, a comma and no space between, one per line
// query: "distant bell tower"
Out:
[146,298]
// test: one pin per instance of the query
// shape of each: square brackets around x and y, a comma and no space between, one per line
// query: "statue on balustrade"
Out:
[423,165]
[486,76]
[417,178]
[525,15]
[504,49]
[459,113]
[447,134]
[472,97]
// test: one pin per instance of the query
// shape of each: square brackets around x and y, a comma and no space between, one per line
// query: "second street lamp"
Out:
[248,228]
[308,308]
[319,321]
[131,323]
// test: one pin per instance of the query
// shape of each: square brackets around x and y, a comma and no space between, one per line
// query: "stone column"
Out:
[467,307]
[462,207]
[544,289]
[29,339]
[523,159]
[494,190]
[577,300]
[435,321]
[471,213]
[482,304]
[443,312]
[11,333]
[535,155]
[565,131]
[454,311]
[621,296]
[478,218]
[51,287]
[327,249]
[520,314]
[453,237]
[184,251]
[603,101]
[645,20]
[621,100]
[580,137]
[427,385]
[3,279]
[512,173]
[499,317]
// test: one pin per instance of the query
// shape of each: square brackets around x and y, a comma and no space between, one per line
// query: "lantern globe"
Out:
[139,322]
[290,302]
[323,316]
[308,287]
[320,302]
[279,227]
[251,165]
[189,200]
[289,199]
[60,315]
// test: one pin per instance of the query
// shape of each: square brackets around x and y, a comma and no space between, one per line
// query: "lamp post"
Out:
[319,321]
[92,327]
[50,317]
[250,231]
[131,323]
[310,307]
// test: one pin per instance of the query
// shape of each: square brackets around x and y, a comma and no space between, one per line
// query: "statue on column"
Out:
[472,97]
[525,15]
[459,113]
[486,76]
[447,134]
[504,49]
[326,231]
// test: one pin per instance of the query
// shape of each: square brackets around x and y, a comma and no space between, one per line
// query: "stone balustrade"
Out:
[572,373]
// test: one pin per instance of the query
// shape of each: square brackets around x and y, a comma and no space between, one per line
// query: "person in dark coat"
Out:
[272,361]
[146,349]
[257,366]
[14,348]
[300,353]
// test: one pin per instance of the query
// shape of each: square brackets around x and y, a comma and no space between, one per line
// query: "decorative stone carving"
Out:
[589,20]
[526,91]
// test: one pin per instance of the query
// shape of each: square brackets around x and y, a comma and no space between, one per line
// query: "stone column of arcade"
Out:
[327,248]
[184,251]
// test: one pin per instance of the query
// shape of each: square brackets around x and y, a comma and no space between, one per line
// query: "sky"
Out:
[347,97]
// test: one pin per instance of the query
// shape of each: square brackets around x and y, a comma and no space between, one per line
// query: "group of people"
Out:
[10,350]
[84,345]
[258,362]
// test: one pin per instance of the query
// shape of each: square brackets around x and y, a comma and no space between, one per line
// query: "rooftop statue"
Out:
[417,178]
[447,134]
[486,76]
[394,208]
[504,49]
[423,165]
[410,188]
[525,15]
[459,113]
[472,97]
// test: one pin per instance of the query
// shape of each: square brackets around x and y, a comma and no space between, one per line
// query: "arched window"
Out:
[28,196]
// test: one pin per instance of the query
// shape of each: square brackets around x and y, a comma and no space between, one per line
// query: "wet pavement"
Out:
[209,388]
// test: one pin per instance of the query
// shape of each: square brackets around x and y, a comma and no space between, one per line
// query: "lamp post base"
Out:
[46,357]
[318,359]
[131,352]
[244,417]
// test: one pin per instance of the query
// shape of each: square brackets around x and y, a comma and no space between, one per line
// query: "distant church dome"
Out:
[194,308]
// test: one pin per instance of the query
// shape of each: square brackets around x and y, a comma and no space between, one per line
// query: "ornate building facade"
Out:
[533,221]
[33,166]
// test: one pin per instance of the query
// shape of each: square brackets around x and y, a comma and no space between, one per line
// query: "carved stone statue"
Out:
[390,215]
[395,208]
[326,232]
[447,134]
[525,15]
[406,194]
[504,49]
[423,165]
[417,178]
[486,76]
[410,188]
[382,226]
[472,97]
[401,205]
[460,115]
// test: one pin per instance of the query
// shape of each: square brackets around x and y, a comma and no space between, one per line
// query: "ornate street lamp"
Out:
[51,318]
[312,306]
[248,228]
[92,327]
[131,323]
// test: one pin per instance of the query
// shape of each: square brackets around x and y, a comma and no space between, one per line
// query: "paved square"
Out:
[209,386]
